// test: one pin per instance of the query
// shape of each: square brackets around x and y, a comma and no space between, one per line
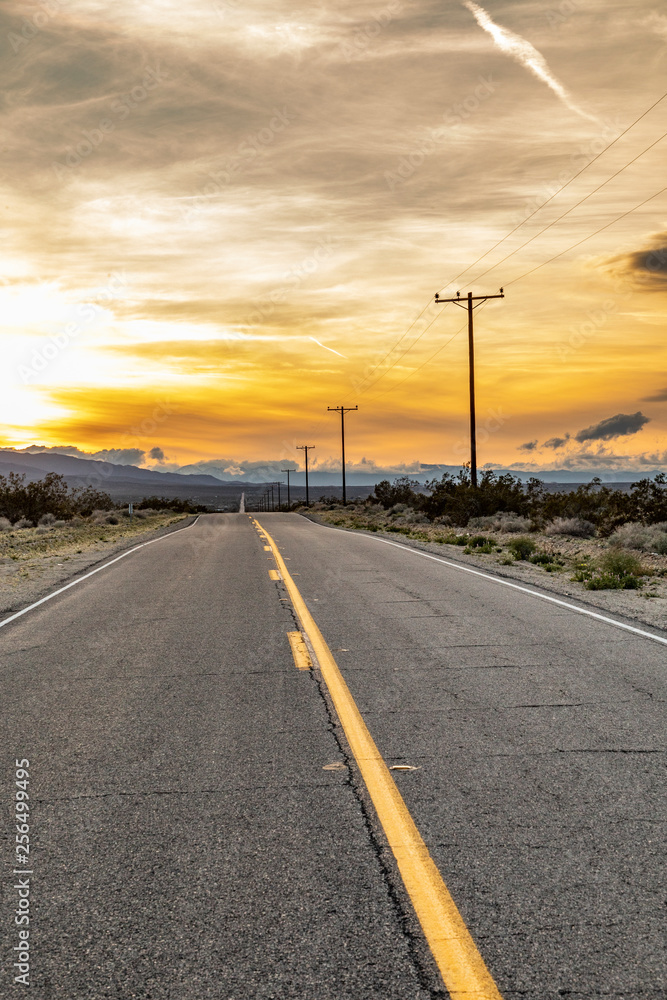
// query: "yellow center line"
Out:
[462,967]
[300,652]
[274,574]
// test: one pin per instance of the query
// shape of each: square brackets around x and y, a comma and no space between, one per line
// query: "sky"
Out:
[222,218]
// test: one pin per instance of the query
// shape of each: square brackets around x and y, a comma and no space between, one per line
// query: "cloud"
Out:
[120,456]
[528,446]
[659,397]
[618,426]
[657,23]
[556,442]
[157,454]
[527,55]
[646,267]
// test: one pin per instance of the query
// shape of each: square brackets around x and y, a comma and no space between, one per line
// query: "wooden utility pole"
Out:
[289,501]
[467,303]
[306,448]
[342,410]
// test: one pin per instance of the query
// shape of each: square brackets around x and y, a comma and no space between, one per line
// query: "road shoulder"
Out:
[631,605]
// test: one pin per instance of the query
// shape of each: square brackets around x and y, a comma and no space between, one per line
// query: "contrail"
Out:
[327,348]
[526,54]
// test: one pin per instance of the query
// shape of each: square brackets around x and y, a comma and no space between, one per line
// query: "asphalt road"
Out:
[190,841]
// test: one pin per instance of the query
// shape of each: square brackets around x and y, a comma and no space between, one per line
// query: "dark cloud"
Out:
[115,456]
[556,442]
[659,397]
[528,446]
[646,267]
[618,426]
[157,454]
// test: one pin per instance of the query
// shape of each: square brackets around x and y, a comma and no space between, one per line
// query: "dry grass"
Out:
[570,562]
[30,556]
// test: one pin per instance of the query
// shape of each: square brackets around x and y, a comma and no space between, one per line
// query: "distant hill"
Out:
[36,465]
[119,478]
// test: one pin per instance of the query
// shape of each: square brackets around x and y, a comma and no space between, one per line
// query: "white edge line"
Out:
[80,579]
[525,590]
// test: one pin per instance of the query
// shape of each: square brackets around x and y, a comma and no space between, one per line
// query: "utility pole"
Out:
[278,485]
[467,303]
[306,448]
[342,410]
[289,500]
[273,502]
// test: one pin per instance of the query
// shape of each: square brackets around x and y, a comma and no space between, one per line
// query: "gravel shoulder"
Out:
[32,564]
[647,605]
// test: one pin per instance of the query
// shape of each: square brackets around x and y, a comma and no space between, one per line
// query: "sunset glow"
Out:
[232,214]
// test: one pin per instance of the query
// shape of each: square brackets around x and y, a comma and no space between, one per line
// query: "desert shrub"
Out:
[479,541]
[401,491]
[513,523]
[59,524]
[575,527]
[616,570]
[490,522]
[522,548]
[5,524]
[24,522]
[178,506]
[112,519]
[456,498]
[621,563]
[646,538]
[415,517]
[46,519]
[42,529]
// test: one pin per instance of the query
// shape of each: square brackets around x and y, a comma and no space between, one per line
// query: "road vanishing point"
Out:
[274,760]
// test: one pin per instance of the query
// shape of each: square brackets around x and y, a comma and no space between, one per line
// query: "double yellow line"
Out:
[462,967]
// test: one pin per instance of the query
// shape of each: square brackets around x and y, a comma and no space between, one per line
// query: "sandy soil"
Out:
[647,605]
[33,563]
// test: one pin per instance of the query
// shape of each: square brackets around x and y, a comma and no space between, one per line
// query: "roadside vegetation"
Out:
[602,538]
[45,523]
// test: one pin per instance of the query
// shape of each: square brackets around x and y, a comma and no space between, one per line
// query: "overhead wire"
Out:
[589,237]
[559,191]
[511,233]
[572,208]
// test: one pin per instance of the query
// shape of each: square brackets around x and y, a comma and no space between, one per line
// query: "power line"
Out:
[392,349]
[560,190]
[470,298]
[580,202]
[512,231]
[305,448]
[590,237]
[401,356]
[342,410]
[549,226]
